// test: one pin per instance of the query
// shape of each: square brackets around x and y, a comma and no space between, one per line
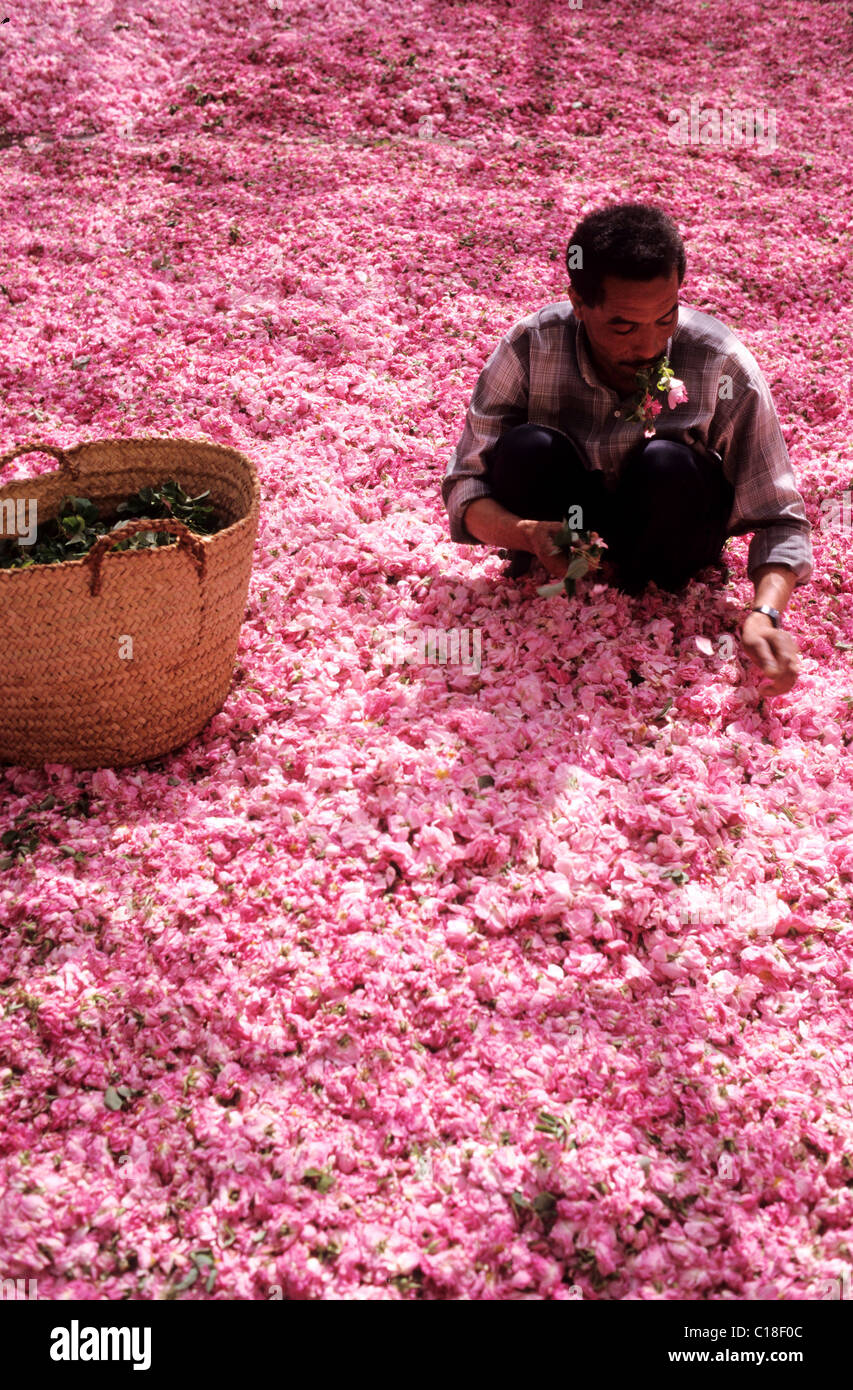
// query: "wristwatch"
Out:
[772,613]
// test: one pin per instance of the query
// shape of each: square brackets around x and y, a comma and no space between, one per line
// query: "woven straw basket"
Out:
[122,656]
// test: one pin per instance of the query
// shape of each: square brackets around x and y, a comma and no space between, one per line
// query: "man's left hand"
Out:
[773,651]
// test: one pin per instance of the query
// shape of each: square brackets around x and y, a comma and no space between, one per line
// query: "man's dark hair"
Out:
[634,241]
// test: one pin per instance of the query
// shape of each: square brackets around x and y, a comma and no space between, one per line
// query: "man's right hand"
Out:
[538,537]
[494,525]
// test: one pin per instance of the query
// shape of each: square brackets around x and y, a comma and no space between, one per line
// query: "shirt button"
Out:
[618,414]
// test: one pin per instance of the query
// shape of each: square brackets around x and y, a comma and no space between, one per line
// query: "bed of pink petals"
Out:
[346,950]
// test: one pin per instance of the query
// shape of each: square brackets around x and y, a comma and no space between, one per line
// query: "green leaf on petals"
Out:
[548,590]
[677,875]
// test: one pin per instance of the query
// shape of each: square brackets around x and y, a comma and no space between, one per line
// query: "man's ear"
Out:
[577,304]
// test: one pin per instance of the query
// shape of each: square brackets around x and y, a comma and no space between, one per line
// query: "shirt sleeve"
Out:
[498,404]
[747,434]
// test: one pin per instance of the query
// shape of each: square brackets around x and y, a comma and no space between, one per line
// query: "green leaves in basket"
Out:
[141,540]
[77,527]
[170,500]
[68,536]
[73,532]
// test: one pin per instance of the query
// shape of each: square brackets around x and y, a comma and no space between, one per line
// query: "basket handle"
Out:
[64,456]
[186,541]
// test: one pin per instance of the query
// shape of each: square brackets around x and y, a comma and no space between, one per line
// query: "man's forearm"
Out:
[490,522]
[774,585]
[494,525]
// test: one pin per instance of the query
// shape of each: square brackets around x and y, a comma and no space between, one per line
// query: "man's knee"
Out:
[537,471]
[664,459]
[528,441]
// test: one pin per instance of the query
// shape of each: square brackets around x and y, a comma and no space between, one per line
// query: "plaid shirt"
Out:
[542,371]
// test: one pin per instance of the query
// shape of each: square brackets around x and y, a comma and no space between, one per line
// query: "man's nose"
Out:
[650,349]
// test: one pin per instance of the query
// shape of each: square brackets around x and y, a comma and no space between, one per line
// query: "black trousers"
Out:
[665,521]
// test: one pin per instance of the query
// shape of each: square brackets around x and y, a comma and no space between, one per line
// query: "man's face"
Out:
[630,328]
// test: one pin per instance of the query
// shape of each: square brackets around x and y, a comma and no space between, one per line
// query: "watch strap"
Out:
[772,613]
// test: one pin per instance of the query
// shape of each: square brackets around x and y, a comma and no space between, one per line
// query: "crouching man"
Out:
[652,418]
